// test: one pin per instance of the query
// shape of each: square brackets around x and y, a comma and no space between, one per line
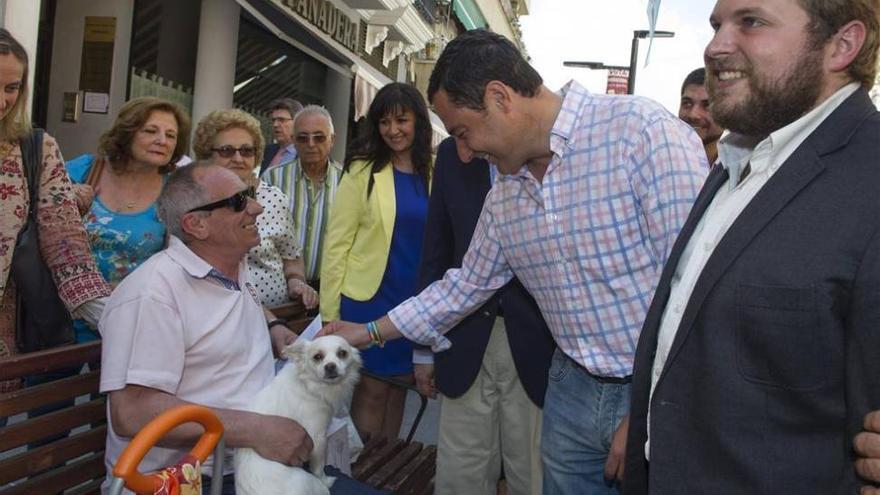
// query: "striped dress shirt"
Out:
[309,205]
[589,241]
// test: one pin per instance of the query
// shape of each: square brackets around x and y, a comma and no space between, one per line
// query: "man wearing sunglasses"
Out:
[310,182]
[186,326]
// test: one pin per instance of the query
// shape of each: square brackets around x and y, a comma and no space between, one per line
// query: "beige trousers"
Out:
[493,424]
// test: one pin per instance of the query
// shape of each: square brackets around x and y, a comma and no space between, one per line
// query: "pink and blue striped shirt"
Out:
[589,241]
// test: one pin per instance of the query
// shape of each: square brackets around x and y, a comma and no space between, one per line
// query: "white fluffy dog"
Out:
[319,379]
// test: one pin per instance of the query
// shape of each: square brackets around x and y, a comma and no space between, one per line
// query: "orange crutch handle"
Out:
[127,465]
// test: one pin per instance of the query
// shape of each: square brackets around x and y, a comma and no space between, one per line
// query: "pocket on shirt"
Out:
[779,342]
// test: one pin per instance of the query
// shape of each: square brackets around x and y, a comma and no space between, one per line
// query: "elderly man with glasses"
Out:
[310,182]
[187,327]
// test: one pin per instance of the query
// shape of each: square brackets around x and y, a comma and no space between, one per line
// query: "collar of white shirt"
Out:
[766,155]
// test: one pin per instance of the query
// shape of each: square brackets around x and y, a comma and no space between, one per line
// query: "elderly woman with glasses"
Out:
[232,139]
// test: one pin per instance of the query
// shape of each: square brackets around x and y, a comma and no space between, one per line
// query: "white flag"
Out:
[653,12]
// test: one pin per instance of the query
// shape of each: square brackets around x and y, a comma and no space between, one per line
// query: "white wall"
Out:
[495,17]
[82,137]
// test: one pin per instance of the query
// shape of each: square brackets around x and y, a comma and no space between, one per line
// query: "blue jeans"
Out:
[581,415]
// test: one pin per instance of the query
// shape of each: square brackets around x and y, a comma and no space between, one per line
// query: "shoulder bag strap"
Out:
[32,165]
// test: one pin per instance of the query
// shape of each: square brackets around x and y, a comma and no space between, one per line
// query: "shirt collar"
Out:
[573,97]
[192,264]
[736,150]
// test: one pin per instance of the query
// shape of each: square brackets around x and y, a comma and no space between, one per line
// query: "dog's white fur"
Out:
[319,379]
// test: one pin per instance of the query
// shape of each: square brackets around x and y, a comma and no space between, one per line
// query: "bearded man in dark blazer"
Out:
[758,358]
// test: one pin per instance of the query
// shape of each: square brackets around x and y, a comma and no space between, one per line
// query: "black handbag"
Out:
[42,319]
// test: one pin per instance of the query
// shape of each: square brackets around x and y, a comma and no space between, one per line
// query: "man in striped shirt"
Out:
[592,193]
[310,182]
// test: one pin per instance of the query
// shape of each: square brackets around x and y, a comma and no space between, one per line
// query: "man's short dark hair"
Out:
[292,106]
[697,77]
[828,16]
[473,59]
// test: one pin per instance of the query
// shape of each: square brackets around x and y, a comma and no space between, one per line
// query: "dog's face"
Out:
[328,359]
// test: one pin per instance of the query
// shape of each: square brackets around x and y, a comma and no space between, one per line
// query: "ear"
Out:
[498,95]
[844,46]
[194,224]
[295,351]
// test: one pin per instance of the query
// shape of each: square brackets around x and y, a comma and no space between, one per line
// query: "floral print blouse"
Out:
[63,241]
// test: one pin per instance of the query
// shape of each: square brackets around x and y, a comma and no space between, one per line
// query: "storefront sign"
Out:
[96,66]
[327,18]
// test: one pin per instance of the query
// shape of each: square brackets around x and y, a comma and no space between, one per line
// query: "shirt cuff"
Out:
[410,322]
[422,356]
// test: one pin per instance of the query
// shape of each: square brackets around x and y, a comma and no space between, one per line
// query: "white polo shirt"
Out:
[170,327]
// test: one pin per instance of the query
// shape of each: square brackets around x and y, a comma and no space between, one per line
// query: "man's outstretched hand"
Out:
[354,333]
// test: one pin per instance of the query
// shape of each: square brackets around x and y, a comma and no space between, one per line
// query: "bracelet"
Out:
[375,336]
[277,321]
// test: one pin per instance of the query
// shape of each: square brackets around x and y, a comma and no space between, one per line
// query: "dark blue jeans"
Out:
[343,485]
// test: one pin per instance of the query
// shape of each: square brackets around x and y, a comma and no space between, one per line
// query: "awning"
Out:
[469,14]
[368,81]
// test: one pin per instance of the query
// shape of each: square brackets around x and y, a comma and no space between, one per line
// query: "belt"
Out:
[619,380]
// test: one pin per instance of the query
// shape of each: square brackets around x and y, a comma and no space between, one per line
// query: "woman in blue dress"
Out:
[118,189]
[373,243]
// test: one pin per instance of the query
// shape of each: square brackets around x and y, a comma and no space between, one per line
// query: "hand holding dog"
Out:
[281,337]
[283,440]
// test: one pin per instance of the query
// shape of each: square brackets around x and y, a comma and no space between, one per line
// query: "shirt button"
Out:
[487,314]
[677,308]
[707,246]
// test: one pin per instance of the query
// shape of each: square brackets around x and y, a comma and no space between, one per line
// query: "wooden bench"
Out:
[74,463]
[62,463]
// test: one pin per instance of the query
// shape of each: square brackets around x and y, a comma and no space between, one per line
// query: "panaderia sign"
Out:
[329,19]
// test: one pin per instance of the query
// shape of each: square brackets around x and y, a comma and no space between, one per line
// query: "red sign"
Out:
[617,81]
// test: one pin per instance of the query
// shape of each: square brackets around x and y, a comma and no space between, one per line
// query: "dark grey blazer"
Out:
[777,357]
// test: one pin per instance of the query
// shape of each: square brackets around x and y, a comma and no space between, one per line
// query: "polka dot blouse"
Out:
[277,243]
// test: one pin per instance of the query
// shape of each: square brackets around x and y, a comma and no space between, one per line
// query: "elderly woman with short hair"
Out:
[232,139]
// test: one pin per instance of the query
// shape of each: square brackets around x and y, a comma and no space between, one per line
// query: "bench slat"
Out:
[91,488]
[55,481]
[421,480]
[387,470]
[370,463]
[406,477]
[31,363]
[53,423]
[53,454]
[30,398]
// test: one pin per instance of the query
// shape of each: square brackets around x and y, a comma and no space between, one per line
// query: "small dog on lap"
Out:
[319,379]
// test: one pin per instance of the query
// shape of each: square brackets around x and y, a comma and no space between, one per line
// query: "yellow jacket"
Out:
[358,237]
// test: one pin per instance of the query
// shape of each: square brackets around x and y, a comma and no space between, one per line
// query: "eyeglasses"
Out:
[238,201]
[228,151]
[280,119]
[305,138]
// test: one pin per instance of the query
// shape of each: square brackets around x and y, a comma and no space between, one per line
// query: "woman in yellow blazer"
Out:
[374,241]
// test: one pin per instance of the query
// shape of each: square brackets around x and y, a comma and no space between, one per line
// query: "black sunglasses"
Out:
[238,201]
[305,138]
[228,151]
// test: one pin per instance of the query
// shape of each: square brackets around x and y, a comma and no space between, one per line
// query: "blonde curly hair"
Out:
[221,120]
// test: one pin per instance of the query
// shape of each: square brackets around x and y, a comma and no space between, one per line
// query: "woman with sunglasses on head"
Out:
[118,187]
[374,240]
[232,139]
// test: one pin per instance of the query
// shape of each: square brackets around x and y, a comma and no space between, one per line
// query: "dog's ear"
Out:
[296,351]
